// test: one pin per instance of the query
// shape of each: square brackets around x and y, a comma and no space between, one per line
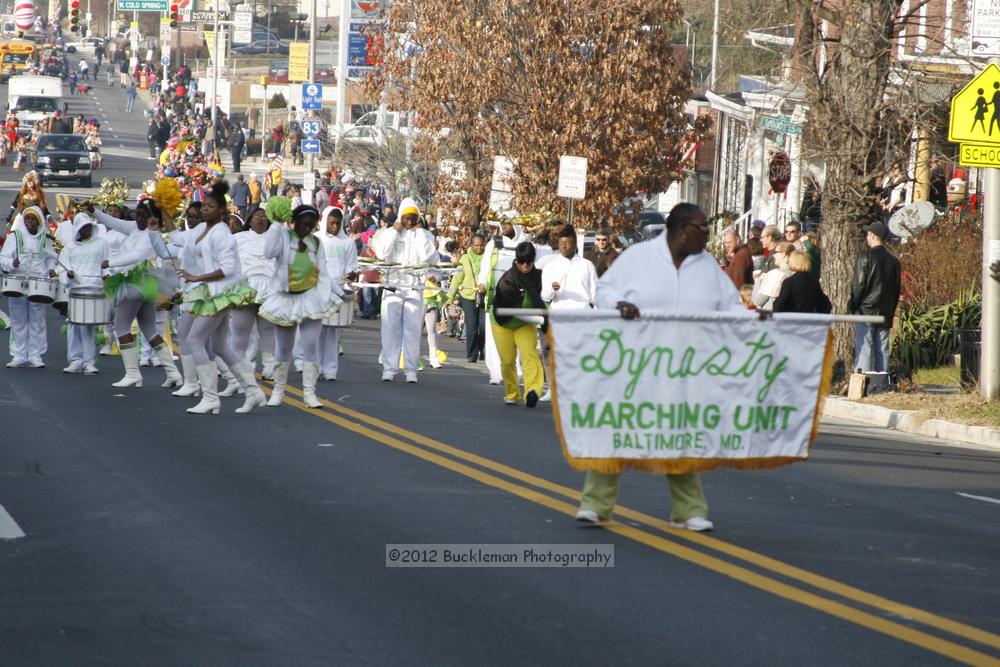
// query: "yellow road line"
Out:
[760,560]
[891,628]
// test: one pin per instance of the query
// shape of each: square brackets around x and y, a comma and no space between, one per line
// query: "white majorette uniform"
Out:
[84,259]
[495,263]
[258,271]
[206,249]
[403,309]
[300,294]
[132,289]
[577,279]
[35,258]
[341,260]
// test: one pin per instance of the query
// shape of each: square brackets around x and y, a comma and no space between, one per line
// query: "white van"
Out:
[8,28]
[34,98]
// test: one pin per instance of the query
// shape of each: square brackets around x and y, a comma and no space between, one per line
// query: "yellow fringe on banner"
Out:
[685,465]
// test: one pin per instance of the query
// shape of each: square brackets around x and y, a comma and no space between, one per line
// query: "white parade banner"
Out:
[687,392]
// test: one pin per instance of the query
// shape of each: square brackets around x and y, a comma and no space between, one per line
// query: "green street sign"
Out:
[781,125]
[143,5]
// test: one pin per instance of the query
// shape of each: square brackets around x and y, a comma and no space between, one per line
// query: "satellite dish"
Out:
[912,219]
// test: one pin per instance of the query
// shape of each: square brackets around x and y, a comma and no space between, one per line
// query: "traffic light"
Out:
[173,16]
[74,15]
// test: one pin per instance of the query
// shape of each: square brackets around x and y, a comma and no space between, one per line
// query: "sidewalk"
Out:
[909,421]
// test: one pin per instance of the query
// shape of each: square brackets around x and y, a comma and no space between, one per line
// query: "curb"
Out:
[908,421]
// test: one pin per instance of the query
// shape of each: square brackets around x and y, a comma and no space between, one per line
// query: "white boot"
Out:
[208,378]
[190,386]
[232,384]
[130,358]
[280,379]
[267,360]
[310,373]
[255,398]
[166,359]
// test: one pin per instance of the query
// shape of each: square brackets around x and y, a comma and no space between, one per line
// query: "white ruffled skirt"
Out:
[286,309]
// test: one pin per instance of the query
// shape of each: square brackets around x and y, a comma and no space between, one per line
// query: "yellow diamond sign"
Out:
[975,110]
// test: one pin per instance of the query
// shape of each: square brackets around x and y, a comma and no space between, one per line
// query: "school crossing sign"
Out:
[975,119]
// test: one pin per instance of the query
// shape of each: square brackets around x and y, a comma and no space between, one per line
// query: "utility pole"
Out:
[715,46]
[345,25]
[312,79]
[989,356]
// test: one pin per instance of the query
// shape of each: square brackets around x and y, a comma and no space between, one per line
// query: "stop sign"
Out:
[779,172]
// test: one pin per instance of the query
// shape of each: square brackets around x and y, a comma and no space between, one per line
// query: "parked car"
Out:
[63,157]
[262,47]
[278,71]
[368,135]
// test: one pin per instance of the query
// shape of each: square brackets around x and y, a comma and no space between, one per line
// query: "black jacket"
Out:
[236,140]
[800,293]
[513,287]
[875,286]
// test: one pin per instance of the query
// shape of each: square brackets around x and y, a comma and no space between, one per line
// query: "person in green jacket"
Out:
[464,292]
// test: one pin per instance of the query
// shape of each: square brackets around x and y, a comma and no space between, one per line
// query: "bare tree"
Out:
[535,80]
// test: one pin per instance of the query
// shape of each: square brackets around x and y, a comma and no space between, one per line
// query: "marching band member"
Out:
[519,287]
[258,270]
[212,264]
[192,218]
[83,260]
[671,272]
[342,264]
[568,280]
[301,294]
[404,243]
[133,290]
[29,253]
[497,258]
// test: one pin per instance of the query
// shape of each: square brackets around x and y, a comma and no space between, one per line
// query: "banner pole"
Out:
[797,317]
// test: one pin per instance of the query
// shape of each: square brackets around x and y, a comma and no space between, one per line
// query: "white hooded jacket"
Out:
[84,258]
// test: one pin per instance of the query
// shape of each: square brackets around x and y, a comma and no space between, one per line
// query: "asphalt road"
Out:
[155,537]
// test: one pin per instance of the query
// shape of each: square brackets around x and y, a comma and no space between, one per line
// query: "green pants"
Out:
[687,500]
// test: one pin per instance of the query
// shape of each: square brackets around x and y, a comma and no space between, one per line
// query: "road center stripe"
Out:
[985,499]
[840,610]
[9,530]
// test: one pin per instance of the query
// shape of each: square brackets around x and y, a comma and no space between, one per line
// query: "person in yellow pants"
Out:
[519,287]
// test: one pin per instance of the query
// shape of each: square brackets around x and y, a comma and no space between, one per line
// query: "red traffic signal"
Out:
[74,15]
[173,16]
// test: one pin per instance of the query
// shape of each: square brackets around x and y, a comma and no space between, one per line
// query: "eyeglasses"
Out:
[792,231]
[704,226]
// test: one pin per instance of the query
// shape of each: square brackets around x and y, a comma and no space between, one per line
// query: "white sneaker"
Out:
[411,378]
[546,397]
[387,376]
[105,350]
[144,362]
[496,381]
[509,401]
[74,367]
[590,516]
[90,369]
[328,377]
[155,362]
[16,363]
[695,523]
[36,363]
[298,366]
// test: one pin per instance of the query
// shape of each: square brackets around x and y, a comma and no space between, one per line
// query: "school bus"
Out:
[16,56]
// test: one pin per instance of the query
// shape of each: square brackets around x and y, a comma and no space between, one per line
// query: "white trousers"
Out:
[80,343]
[430,323]
[492,356]
[402,320]
[329,351]
[27,329]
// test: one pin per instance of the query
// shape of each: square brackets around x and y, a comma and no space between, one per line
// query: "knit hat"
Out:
[408,207]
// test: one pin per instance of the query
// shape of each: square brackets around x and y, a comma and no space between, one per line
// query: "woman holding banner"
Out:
[663,276]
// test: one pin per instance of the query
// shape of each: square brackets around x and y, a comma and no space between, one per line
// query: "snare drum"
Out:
[344,315]
[42,290]
[14,285]
[88,305]
[61,301]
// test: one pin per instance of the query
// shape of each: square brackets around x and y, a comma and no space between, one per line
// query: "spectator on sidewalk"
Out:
[255,192]
[236,142]
[240,193]
[793,234]
[253,118]
[603,253]
[132,92]
[739,264]
[874,291]
[800,292]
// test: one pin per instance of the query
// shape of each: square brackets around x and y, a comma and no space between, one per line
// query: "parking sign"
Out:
[312,96]
[310,126]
